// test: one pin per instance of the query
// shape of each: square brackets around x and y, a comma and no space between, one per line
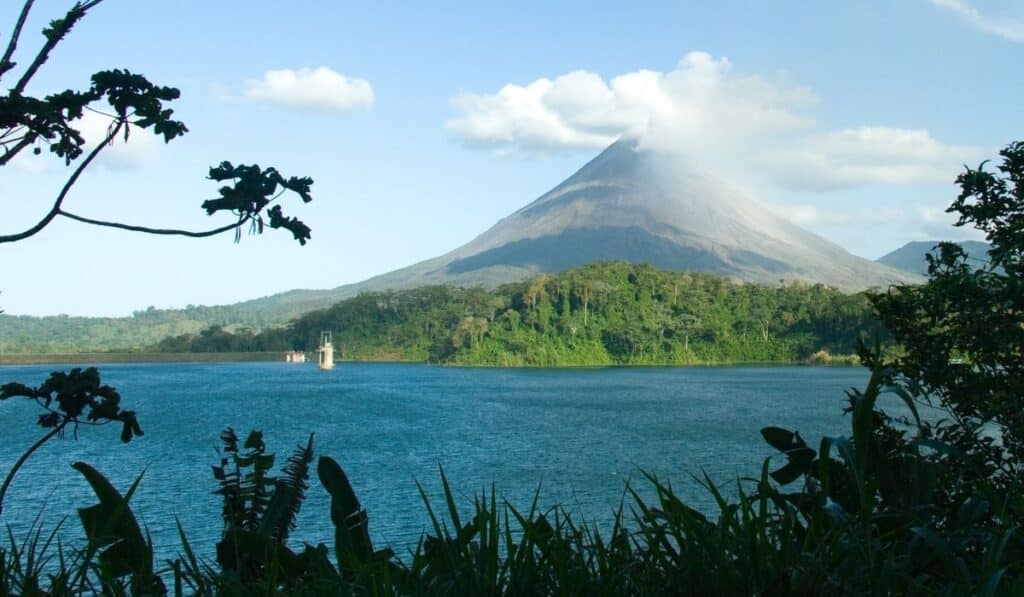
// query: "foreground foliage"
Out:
[115,548]
[32,127]
[68,401]
[128,102]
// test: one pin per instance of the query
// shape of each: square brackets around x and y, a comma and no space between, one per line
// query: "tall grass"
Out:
[758,543]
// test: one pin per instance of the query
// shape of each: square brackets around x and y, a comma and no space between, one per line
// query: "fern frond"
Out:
[229,477]
[289,493]
[230,440]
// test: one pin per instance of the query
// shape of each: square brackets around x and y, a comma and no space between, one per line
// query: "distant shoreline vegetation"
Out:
[92,358]
[599,315]
[122,358]
[603,314]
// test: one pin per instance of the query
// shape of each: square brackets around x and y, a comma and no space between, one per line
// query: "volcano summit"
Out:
[641,206]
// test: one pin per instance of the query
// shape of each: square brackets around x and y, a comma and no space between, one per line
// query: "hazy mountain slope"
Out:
[636,206]
[63,334]
[911,256]
[642,206]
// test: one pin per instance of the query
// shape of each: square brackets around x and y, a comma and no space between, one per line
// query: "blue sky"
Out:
[423,125]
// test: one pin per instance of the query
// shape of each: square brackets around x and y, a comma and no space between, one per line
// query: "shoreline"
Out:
[139,357]
[109,358]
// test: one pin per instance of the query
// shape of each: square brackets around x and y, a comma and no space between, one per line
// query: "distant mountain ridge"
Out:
[911,256]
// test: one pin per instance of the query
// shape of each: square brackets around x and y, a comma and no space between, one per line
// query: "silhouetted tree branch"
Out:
[12,44]
[70,399]
[158,231]
[131,101]
[55,210]
[53,121]
[54,34]
[21,461]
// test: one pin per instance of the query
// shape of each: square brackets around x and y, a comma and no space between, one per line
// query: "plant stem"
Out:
[24,457]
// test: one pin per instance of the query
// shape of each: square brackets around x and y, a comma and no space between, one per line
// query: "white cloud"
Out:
[809,215]
[1005,26]
[935,222]
[805,214]
[141,147]
[869,155]
[699,103]
[319,89]
[933,215]
[737,126]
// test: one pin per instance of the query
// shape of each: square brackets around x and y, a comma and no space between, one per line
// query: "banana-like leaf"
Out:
[112,524]
[800,457]
[351,528]
[779,438]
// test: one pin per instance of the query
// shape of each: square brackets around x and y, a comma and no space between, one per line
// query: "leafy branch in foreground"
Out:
[252,190]
[963,334]
[129,102]
[68,400]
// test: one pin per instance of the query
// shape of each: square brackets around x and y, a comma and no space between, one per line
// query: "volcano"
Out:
[641,206]
[631,204]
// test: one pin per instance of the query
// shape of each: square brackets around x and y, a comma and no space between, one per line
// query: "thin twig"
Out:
[24,457]
[163,231]
[11,131]
[5,62]
[10,153]
[73,16]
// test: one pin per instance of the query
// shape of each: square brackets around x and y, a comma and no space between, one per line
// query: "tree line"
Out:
[603,313]
[63,334]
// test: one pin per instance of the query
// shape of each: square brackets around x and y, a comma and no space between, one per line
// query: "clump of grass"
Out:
[824,357]
[40,565]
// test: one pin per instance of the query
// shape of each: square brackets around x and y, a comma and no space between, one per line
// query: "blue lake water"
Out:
[579,434]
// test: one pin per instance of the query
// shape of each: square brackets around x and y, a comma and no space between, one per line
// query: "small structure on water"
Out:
[325,354]
[295,356]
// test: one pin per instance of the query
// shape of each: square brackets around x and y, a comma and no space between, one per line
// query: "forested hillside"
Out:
[607,313]
[64,334]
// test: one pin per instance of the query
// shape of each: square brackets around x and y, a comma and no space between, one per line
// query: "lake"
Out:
[578,434]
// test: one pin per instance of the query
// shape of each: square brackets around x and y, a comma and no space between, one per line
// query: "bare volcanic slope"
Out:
[632,205]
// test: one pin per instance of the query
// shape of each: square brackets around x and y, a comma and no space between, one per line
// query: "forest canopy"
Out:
[600,314]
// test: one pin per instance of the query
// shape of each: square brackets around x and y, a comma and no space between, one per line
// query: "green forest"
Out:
[21,334]
[601,314]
